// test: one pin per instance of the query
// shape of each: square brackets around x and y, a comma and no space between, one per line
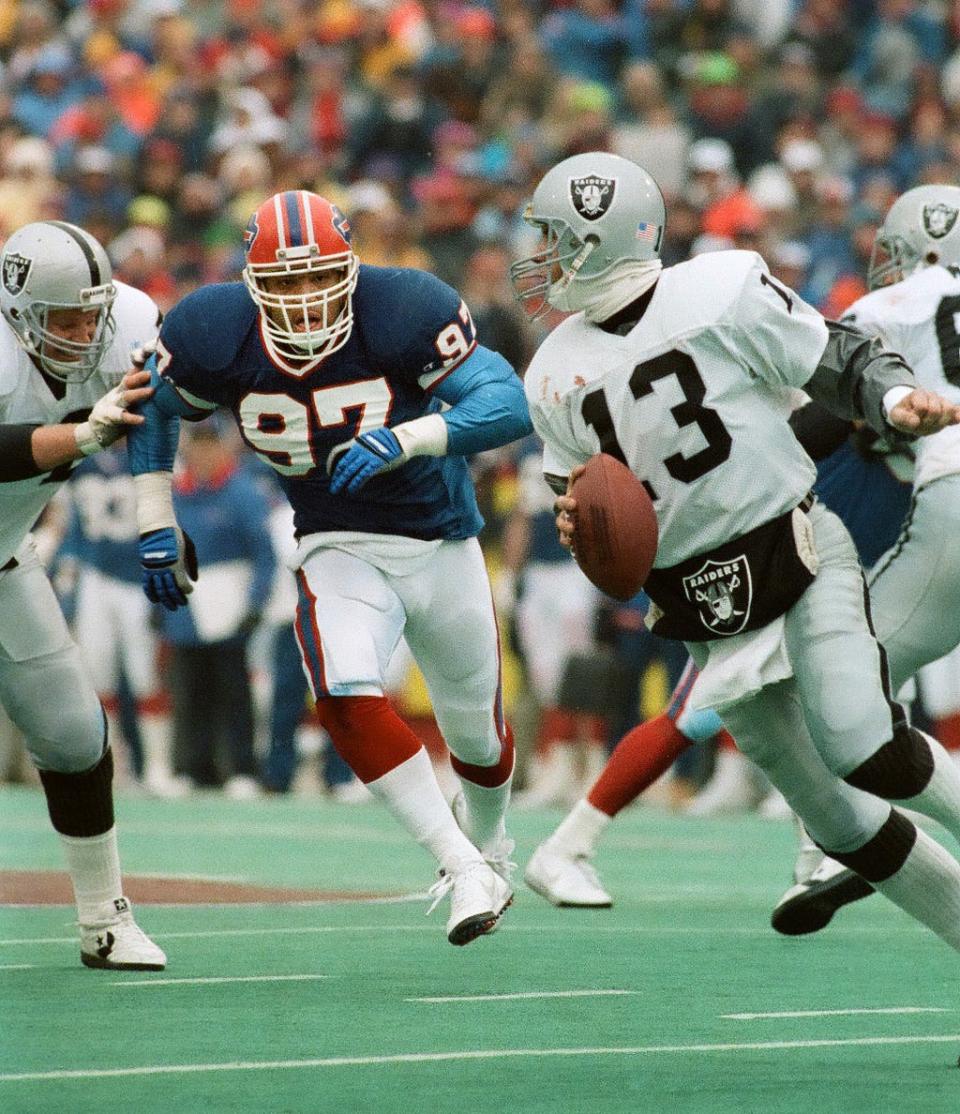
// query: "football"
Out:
[615,530]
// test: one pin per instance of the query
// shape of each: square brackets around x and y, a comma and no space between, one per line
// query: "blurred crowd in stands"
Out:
[783,126]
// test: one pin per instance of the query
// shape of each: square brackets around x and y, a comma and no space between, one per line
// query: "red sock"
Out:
[947,731]
[367,734]
[640,757]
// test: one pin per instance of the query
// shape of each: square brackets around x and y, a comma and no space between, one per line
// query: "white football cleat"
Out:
[118,943]
[569,881]
[809,906]
[478,898]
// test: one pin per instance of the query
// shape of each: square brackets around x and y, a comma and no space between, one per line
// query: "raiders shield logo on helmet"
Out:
[722,592]
[592,195]
[939,219]
[16,267]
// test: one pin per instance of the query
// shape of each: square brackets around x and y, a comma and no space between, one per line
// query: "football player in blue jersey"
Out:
[365,388]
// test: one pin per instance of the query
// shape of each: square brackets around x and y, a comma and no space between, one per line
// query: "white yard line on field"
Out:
[469,1054]
[528,994]
[218,979]
[834,1013]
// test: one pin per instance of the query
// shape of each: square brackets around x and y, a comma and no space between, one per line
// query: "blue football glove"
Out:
[168,563]
[370,454]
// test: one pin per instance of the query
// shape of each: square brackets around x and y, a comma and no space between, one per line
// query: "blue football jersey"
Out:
[410,331]
[103,529]
[867,496]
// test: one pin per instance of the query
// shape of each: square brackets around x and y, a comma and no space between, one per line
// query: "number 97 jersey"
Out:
[694,398]
[410,331]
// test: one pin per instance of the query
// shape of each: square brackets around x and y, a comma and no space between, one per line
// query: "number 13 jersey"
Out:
[694,399]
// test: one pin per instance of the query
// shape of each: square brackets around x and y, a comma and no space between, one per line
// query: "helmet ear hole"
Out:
[932,257]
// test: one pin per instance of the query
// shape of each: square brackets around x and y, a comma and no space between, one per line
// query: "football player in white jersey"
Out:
[914,308]
[66,386]
[685,374]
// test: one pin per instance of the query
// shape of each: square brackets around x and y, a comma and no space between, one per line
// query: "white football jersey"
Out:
[695,398]
[920,318]
[25,398]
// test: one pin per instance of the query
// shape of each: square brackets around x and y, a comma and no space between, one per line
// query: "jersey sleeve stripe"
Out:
[432,378]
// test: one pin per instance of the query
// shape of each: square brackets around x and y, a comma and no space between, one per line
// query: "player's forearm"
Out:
[487,404]
[31,450]
[854,374]
[493,414]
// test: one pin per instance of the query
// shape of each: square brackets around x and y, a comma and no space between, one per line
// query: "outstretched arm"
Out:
[167,556]
[487,409]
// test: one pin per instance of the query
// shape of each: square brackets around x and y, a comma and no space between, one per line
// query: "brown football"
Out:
[615,532]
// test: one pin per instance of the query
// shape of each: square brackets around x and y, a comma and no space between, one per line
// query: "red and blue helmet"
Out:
[294,233]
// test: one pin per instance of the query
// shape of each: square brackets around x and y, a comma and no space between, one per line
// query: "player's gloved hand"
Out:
[168,566]
[111,414]
[371,453]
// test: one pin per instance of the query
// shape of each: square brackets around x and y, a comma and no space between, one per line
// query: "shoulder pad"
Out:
[211,323]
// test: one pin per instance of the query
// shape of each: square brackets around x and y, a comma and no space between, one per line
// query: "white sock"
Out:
[580,830]
[486,810]
[941,798]
[412,794]
[157,737]
[927,887]
[94,866]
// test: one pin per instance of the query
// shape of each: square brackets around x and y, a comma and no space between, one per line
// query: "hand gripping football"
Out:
[615,532]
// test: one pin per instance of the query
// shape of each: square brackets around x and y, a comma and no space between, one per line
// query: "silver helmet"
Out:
[920,230]
[51,265]
[594,211]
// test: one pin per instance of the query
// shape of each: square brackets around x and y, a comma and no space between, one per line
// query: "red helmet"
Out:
[297,233]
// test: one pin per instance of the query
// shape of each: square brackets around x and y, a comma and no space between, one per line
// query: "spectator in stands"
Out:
[226,514]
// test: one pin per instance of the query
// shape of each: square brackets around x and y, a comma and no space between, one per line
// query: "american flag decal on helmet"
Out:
[648,232]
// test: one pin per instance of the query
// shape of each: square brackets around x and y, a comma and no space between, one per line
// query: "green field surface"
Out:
[680,998]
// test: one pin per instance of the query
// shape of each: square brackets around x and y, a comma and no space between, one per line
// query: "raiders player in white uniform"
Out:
[914,308]
[65,385]
[684,373]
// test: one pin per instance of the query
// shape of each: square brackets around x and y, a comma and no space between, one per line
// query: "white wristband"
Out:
[893,396]
[154,501]
[426,436]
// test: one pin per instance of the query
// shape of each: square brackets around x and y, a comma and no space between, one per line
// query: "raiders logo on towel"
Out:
[16,267]
[722,592]
[939,219]
[592,195]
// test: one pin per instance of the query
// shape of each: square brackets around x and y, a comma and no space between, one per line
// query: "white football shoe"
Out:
[118,943]
[569,881]
[810,905]
[478,898]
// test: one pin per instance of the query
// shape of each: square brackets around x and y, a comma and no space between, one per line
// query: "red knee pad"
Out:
[367,734]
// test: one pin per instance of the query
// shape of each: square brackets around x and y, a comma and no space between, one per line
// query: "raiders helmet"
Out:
[51,265]
[594,211]
[294,233]
[920,230]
